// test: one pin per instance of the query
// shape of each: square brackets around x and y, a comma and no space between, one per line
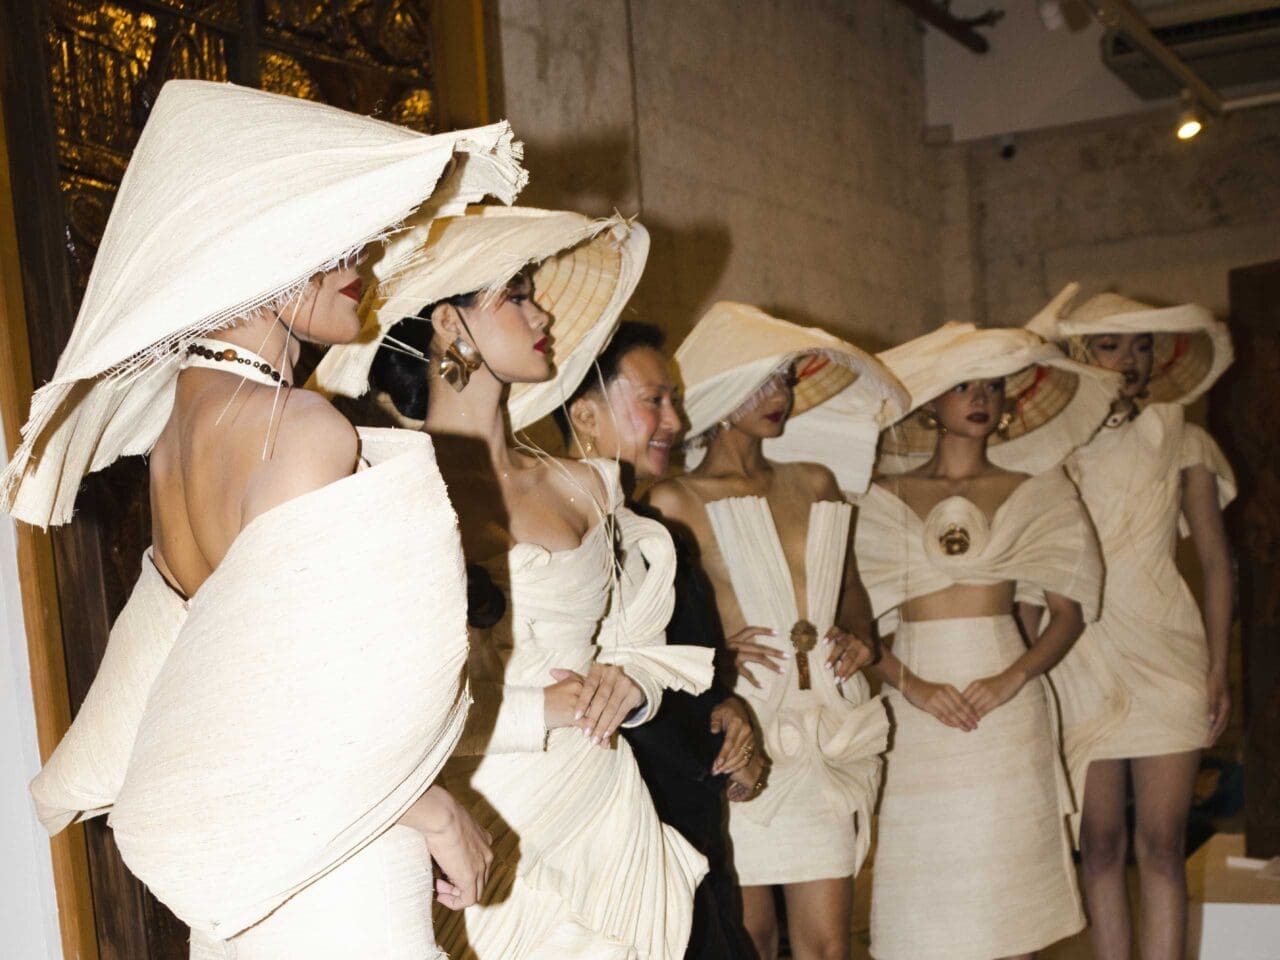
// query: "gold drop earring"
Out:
[588,446]
[1004,423]
[930,420]
[459,362]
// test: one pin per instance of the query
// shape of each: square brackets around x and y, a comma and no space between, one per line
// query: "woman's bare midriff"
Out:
[962,600]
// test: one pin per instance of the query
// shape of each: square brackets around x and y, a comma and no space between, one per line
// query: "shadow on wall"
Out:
[593,174]
[682,277]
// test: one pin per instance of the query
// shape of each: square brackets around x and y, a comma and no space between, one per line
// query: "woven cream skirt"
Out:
[973,859]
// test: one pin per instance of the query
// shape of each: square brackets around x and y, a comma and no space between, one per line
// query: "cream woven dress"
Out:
[973,859]
[1135,684]
[813,819]
[583,866]
[255,746]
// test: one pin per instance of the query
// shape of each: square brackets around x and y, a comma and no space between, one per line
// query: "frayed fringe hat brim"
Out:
[586,270]
[232,200]
[1192,349]
[734,348]
[1057,404]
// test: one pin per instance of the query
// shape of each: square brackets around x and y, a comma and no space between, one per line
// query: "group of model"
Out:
[355,651]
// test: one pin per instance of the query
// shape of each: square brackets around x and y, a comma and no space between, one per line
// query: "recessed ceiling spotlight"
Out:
[1190,121]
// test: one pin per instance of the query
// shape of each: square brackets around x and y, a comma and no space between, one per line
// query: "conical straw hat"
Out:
[587,270]
[734,348]
[232,200]
[1057,404]
[1192,349]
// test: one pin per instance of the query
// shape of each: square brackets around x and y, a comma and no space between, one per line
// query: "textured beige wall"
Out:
[772,147]
[1118,205]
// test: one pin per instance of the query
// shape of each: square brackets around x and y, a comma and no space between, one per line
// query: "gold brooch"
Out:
[804,637]
[954,540]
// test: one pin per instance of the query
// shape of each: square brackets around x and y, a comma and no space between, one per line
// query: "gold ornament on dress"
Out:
[804,637]
[954,540]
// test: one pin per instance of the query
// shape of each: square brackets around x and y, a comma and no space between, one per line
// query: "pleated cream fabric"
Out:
[734,348]
[586,272]
[973,859]
[1135,684]
[232,200]
[1192,349]
[583,867]
[310,696]
[813,819]
[1056,403]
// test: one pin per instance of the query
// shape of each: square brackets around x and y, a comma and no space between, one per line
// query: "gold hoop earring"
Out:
[459,362]
[1004,423]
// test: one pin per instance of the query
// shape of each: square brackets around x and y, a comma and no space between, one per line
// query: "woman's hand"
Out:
[987,693]
[747,783]
[848,654]
[731,718]
[942,701]
[746,651]
[560,700]
[1219,705]
[607,696]
[458,845]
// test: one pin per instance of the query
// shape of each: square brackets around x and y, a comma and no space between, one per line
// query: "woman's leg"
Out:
[761,920]
[1162,787]
[820,918]
[1104,842]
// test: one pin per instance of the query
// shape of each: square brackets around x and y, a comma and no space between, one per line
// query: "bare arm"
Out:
[1066,623]
[1200,507]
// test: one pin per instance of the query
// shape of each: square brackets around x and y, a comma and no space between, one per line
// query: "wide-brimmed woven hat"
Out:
[1192,349]
[586,272]
[233,199]
[735,348]
[1056,403]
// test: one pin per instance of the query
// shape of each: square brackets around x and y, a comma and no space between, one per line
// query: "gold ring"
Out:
[748,751]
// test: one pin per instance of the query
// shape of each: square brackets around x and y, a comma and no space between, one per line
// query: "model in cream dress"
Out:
[269,780]
[773,540]
[973,859]
[1145,688]
[580,588]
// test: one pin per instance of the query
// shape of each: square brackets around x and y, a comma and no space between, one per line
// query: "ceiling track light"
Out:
[1190,120]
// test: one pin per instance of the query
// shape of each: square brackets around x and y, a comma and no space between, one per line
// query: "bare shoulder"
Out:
[673,500]
[818,481]
[311,445]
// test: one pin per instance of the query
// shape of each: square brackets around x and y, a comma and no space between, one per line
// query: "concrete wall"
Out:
[772,147]
[1116,205]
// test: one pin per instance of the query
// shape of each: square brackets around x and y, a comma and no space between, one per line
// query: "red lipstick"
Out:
[353,289]
[774,417]
[542,345]
[979,417]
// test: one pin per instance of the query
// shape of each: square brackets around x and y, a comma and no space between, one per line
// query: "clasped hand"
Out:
[963,709]
[596,704]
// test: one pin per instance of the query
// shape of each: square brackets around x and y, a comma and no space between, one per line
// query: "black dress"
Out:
[675,751]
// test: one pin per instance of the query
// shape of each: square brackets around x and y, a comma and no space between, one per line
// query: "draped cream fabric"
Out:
[813,820]
[311,696]
[583,867]
[233,198]
[253,756]
[586,272]
[973,859]
[1056,404]
[1135,684]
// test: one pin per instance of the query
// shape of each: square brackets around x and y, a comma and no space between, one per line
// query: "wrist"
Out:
[435,812]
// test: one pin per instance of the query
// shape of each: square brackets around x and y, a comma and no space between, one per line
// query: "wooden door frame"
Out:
[463,101]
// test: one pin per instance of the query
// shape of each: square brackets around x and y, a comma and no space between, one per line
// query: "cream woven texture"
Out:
[1057,404]
[310,697]
[583,867]
[1135,684]
[813,819]
[233,199]
[974,824]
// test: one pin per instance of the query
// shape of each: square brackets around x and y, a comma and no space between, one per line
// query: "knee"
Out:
[1160,850]
[1103,849]
[764,935]
[820,945]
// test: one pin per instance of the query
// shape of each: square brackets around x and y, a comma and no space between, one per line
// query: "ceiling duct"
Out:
[1230,44]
